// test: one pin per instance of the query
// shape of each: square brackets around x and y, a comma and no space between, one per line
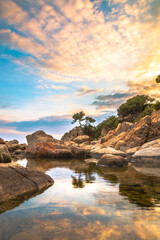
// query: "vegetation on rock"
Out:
[109,124]
[136,107]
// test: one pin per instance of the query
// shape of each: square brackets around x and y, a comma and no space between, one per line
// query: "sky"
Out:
[61,57]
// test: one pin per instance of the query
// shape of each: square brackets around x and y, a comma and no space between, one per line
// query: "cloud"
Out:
[150,88]
[85,91]
[4,104]
[115,99]
[112,101]
[83,44]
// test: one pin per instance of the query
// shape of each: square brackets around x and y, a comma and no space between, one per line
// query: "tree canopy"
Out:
[158,79]
[78,117]
[134,106]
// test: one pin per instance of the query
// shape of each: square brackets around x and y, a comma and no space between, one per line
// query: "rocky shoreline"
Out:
[129,143]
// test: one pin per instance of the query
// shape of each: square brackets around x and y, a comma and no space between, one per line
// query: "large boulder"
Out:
[82,139]
[41,145]
[147,155]
[17,181]
[49,150]
[148,152]
[110,160]
[75,132]
[5,156]
[78,152]
[152,144]
[39,136]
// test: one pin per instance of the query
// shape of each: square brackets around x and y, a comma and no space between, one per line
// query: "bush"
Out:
[89,130]
[147,111]
[156,106]
[134,107]
[108,124]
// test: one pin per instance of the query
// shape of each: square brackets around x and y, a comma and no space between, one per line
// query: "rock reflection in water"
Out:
[100,204]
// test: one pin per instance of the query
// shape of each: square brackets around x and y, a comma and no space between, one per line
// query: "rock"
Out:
[110,160]
[99,152]
[17,181]
[2,141]
[147,156]
[148,152]
[51,148]
[152,144]
[139,134]
[39,136]
[5,156]
[14,141]
[48,150]
[103,132]
[131,151]
[155,125]
[82,139]
[78,152]
[112,141]
[12,147]
[128,135]
[121,128]
[69,136]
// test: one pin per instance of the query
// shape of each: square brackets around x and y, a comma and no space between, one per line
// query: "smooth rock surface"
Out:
[110,160]
[99,152]
[17,181]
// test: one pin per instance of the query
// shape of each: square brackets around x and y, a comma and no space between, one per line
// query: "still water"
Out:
[87,202]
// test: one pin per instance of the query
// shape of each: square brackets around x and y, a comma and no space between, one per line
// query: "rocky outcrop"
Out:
[72,134]
[41,145]
[48,150]
[39,137]
[82,139]
[2,141]
[16,149]
[109,160]
[16,181]
[5,156]
[128,135]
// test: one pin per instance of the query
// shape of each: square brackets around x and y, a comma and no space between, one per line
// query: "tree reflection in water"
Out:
[82,178]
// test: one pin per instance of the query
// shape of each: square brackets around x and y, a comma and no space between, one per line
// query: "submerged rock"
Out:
[17,181]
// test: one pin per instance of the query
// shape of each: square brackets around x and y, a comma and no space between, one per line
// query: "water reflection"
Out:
[87,202]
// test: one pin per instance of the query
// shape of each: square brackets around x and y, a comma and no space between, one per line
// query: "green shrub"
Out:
[108,124]
[134,107]
[156,106]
